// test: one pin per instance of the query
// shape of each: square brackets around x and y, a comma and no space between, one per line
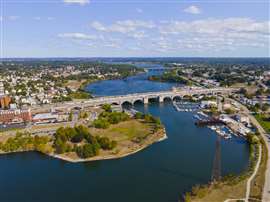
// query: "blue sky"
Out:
[152,28]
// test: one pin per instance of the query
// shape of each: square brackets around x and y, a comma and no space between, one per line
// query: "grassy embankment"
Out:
[129,136]
[264,122]
[258,183]
[229,187]
[235,187]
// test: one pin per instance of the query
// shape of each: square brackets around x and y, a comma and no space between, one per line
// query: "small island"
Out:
[173,75]
[111,135]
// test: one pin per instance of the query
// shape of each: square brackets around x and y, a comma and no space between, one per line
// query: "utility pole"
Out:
[216,172]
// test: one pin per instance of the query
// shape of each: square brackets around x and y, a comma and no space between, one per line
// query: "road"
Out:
[266,191]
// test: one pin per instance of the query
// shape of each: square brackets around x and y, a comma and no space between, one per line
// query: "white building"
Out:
[2,89]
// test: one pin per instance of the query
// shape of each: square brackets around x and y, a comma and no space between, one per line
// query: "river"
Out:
[159,173]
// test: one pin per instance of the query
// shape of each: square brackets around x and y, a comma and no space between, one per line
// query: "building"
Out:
[45,118]
[2,89]
[208,103]
[242,118]
[15,116]
[4,102]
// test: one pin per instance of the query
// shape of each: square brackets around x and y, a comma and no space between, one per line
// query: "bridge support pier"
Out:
[161,99]
[145,100]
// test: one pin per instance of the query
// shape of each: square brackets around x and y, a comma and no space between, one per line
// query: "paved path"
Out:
[253,174]
[266,191]
[246,199]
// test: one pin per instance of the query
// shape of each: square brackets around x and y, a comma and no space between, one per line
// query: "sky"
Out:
[135,28]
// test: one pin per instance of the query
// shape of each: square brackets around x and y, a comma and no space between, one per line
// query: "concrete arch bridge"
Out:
[160,96]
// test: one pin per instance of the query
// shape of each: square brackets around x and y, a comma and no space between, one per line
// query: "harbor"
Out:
[184,106]
[218,124]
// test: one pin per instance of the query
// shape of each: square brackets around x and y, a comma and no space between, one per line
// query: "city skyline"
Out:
[82,28]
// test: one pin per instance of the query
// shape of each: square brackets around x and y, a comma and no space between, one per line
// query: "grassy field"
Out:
[220,192]
[264,123]
[231,186]
[258,182]
[124,131]
[74,84]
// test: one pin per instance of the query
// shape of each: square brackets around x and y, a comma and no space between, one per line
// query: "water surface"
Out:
[159,173]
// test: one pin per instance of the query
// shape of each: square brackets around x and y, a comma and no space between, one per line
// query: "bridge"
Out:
[156,69]
[140,97]
[160,96]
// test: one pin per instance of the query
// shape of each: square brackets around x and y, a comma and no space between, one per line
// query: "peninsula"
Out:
[111,135]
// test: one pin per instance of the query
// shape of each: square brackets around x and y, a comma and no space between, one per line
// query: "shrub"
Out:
[101,123]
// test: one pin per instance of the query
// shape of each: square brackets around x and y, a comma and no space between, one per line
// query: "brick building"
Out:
[15,116]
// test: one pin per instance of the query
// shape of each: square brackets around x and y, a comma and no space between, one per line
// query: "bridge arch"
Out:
[167,99]
[186,97]
[153,99]
[126,104]
[115,103]
[196,95]
[139,101]
[177,98]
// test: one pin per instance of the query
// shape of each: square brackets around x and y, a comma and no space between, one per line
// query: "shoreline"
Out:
[108,157]
[95,158]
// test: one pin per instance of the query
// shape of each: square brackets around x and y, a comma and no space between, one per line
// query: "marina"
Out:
[203,119]
[186,106]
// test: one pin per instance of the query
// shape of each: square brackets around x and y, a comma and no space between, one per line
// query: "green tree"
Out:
[107,107]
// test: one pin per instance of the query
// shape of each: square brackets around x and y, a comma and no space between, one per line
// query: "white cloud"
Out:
[123,27]
[205,35]
[193,10]
[98,26]
[217,27]
[81,2]
[78,36]
[13,17]
[138,35]
[111,45]
[50,18]
[37,18]
[9,18]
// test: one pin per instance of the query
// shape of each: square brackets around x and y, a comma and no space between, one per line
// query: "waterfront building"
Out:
[242,118]
[45,118]
[50,117]
[15,116]
[2,89]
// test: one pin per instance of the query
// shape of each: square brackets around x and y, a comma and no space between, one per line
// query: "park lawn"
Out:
[257,184]
[80,95]
[126,130]
[221,192]
[265,124]
[74,84]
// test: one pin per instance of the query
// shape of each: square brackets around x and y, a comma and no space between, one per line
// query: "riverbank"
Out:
[160,137]
[230,187]
[250,185]
[129,136]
